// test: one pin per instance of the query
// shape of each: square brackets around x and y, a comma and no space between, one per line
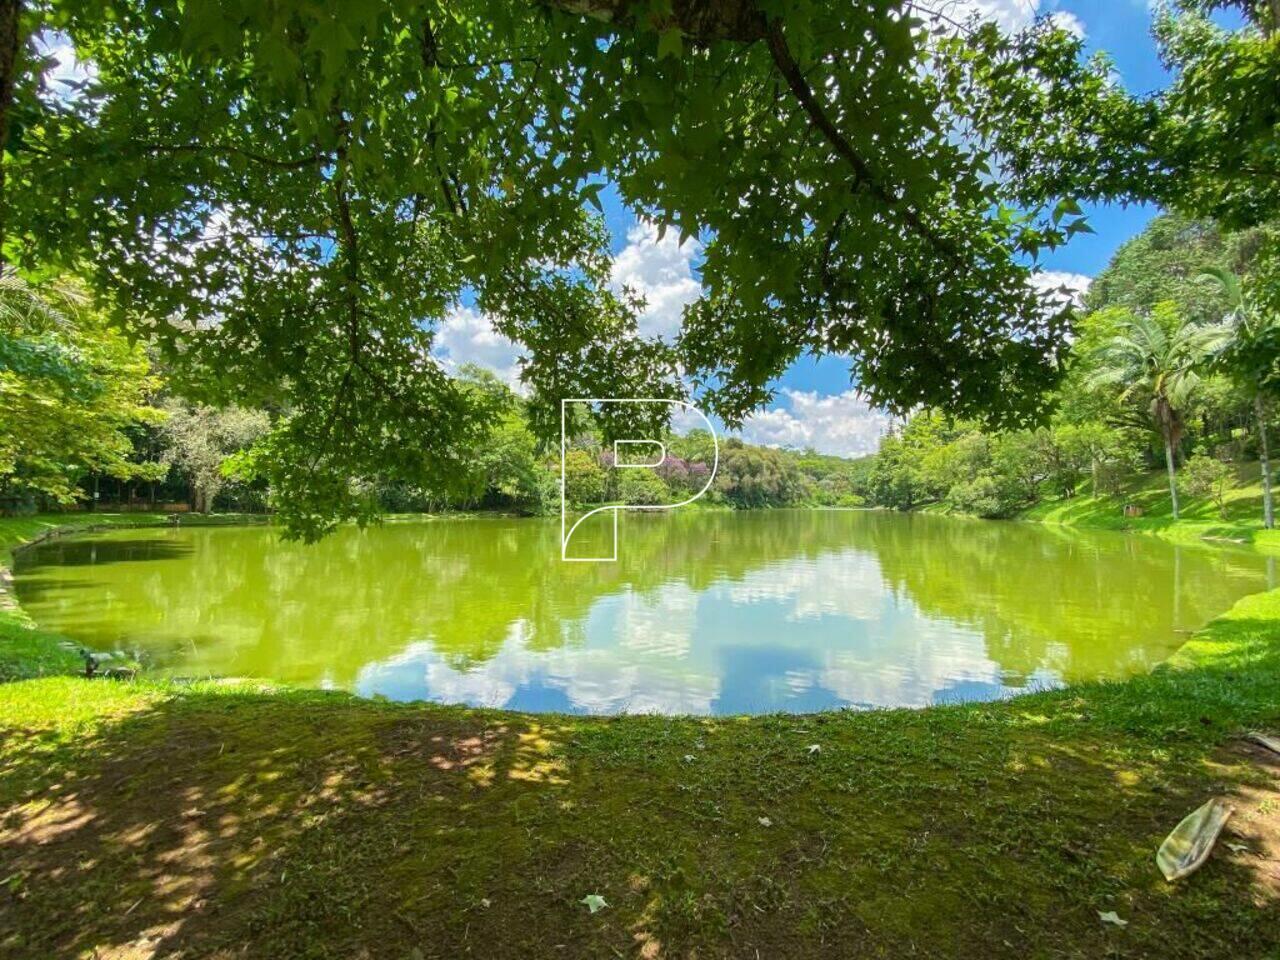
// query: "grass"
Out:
[141,819]
[1199,518]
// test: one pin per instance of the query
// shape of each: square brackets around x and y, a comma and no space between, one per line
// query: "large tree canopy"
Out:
[290,195]
[1205,145]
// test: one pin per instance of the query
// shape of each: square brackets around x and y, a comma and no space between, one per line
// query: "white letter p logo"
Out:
[629,454]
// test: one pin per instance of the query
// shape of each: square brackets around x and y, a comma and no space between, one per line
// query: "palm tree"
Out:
[1248,350]
[1153,360]
[27,308]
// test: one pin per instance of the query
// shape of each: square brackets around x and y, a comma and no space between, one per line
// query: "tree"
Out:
[584,479]
[643,487]
[1060,126]
[1153,360]
[1249,352]
[201,438]
[328,182]
[1025,458]
[1165,263]
[70,389]
[751,477]
[696,446]
[1103,452]
[892,480]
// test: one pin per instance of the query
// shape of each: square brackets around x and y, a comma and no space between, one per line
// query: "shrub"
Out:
[1206,477]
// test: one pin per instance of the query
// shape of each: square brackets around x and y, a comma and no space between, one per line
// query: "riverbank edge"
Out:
[1179,532]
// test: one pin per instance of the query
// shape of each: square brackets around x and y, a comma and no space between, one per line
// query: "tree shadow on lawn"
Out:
[245,824]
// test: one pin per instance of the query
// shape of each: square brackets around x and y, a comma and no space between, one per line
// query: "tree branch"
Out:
[237,151]
[701,21]
[864,177]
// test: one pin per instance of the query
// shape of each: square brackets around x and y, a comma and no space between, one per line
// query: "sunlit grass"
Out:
[1199,517]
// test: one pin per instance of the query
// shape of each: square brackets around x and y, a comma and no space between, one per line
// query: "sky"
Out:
[816,403]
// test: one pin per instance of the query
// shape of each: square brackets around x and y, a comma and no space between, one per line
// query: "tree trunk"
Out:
[10,20]
[1173,485]
[1268,511]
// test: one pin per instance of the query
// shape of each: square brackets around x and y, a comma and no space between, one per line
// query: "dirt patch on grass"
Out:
[1251,838]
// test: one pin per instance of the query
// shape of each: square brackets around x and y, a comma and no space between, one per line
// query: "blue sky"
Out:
[816,404]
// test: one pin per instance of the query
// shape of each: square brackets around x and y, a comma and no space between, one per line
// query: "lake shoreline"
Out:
[831,597]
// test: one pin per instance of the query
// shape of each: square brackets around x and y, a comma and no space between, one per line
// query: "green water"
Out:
[705,612]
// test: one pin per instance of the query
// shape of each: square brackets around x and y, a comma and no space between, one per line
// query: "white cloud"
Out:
[1046,281]
[842,583]
[1011,15]
[842,424]
[1069,22]
[468,336]
[67,69]
[661,271]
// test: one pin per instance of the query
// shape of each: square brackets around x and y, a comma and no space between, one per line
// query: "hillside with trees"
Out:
[1172,367]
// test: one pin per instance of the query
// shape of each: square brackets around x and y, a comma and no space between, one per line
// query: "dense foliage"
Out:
[289,197]
[1203,145]
[71,389]
[1178,356]
[113,431]
[285,201]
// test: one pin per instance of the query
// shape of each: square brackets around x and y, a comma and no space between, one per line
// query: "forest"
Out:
[1170,367]
[1008,688]
[92,422]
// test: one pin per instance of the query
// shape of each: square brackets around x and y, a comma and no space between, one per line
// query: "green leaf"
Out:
[671,44]
[591,193]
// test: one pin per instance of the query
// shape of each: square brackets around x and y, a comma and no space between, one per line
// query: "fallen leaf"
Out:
[594,902]
[1111,918]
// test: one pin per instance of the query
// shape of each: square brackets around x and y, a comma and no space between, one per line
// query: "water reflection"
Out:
[704,612]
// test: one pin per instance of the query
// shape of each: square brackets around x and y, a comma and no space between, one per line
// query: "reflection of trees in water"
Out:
[1082,603]
[248,603]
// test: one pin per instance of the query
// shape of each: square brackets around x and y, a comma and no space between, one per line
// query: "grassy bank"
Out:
[1199,518]
[142,819]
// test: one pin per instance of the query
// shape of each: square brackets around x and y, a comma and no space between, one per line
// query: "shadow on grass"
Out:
[229,823]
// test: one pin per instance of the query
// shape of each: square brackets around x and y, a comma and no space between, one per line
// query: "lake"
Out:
[705,612]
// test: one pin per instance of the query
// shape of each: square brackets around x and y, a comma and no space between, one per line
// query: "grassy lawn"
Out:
[140,819]
[1199,518]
